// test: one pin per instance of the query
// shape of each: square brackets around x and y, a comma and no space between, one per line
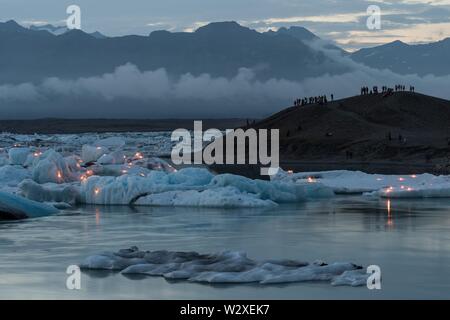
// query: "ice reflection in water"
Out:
[414,255]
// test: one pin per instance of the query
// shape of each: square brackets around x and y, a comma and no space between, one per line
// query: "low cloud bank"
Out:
[244,94]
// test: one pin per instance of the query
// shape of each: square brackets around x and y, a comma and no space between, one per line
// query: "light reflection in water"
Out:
[390,221]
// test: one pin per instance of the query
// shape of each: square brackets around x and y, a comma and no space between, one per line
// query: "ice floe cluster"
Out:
[157,144]
[224,267]
[107,172]
[379,185]
[66,170]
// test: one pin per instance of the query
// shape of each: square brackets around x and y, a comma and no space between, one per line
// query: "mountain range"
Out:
[402,58]
[219,49]
[59,30]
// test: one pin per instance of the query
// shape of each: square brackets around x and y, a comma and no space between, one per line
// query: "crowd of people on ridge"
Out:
[300,102]
[385,89]
[312,100]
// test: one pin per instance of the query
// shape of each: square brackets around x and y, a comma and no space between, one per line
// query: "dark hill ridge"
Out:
[419,127]
[353,134]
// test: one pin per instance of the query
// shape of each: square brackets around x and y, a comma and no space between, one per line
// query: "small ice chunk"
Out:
[11,176]
[18,156]
[154,164]
[109,261]
[92,153]
[116,157]
[352,278]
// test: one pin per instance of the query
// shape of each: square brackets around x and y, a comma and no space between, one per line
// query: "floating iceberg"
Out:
[49,192]
[277,191]
[386,186]
[126,189]
[17,207]
[195,187]
[441,190]
[224,267]
[227,197]
[51,166]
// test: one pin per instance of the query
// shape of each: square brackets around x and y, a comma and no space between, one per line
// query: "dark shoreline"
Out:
[76,126]
[70,126]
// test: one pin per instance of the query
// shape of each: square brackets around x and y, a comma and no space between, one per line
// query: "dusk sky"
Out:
[343,21]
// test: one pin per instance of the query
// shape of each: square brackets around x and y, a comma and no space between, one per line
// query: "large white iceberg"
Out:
[195,187]
[224,267]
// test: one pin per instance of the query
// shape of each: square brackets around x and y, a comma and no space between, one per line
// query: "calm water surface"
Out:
[408,239]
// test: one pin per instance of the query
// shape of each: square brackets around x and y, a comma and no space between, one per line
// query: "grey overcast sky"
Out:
[343,21]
